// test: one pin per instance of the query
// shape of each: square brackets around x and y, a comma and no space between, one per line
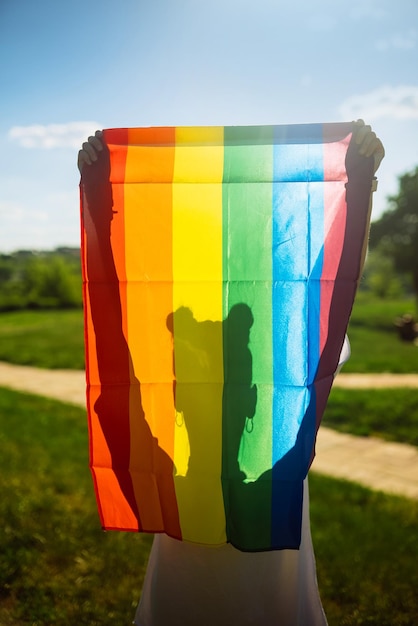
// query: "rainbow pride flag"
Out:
[220,266]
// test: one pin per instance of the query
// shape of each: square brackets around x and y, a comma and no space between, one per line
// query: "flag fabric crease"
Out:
[220,266]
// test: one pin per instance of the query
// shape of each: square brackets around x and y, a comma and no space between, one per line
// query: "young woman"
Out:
[188,584]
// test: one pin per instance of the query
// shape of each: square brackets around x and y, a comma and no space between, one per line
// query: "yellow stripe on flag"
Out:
[198,348]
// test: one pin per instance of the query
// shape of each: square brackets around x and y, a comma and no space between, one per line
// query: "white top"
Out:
[194,585]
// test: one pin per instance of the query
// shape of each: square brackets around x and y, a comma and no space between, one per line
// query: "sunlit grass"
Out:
[366,545]
[57,567]
[390,414]
[49,339]
[374,339]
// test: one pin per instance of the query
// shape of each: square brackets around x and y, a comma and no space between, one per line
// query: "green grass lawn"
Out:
[390,414]
[49,339]
[366,547]
[375,345]
[58,568]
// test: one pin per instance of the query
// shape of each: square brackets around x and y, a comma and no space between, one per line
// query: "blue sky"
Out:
[68,67]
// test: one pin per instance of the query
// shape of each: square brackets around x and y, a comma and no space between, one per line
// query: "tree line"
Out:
[40,279]
[394,236]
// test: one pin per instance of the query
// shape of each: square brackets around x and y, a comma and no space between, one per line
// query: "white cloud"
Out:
[398,41]
[70,135]
[399,102]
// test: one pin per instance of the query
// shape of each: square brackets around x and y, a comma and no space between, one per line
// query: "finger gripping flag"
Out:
[220,266]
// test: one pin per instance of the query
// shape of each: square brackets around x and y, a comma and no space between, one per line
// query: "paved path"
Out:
[389,467]
[376,381]
[65,385]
